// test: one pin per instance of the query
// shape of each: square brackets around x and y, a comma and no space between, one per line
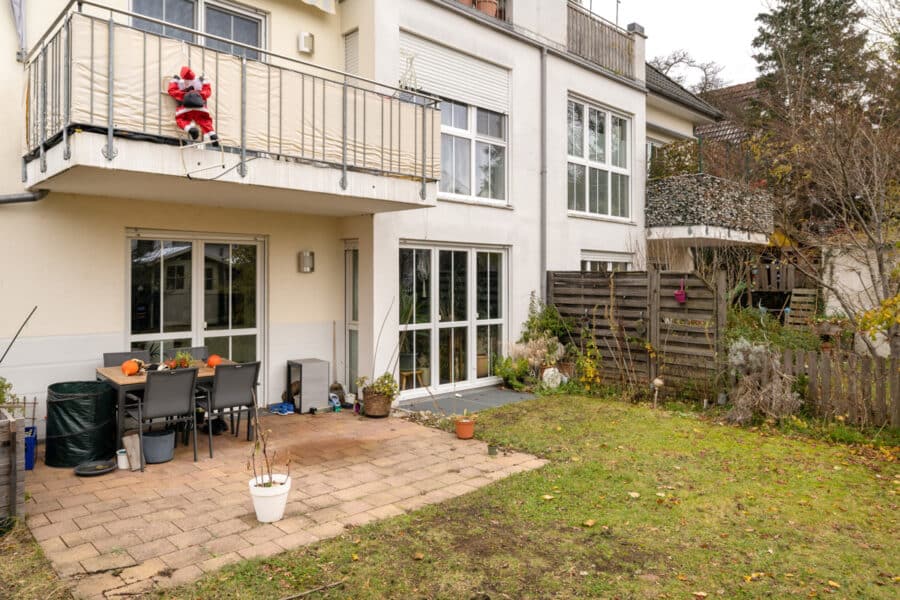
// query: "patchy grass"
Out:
[24,571]
[634,504]
[758,328]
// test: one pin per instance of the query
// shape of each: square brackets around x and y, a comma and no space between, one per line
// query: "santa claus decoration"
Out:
[192,115]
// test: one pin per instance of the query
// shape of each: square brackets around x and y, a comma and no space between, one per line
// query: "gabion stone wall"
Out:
[702,199]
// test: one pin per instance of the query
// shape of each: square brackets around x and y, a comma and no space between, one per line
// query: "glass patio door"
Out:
[230,293]
[189,292]
[453,316]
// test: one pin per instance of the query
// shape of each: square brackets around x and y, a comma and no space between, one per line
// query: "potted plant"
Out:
[269,490]
[488,7]
[182,360]
[378,395]
[465,425]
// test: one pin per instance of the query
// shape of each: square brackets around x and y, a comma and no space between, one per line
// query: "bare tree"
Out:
[680,66]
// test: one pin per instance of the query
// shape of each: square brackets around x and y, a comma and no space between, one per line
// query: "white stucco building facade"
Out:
[432,160]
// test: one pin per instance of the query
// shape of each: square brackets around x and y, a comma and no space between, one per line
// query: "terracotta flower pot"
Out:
[465,429]
[467,2]
[488,7]
[566,368]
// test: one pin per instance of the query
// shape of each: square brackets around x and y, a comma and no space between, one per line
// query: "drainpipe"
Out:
[544,193]
[23,197]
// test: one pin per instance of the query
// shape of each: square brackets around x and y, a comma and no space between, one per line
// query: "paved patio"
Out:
[122,533]
[470,400]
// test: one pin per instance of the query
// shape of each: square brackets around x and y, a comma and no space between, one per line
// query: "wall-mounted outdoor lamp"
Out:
[306,261]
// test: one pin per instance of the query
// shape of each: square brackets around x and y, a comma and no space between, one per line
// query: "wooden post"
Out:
[894,378]
[825,400]
[867,407]
[881,385]
[721,316]
[13,474]
[653,320]
[852,400]
[813,376]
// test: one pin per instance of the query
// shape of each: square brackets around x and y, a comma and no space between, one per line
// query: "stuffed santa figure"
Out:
[192,115]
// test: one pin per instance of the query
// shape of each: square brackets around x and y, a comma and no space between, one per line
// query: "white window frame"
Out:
[471,323]
[587,163]
[648,151]
[607,259]
[471,134]
[233,7]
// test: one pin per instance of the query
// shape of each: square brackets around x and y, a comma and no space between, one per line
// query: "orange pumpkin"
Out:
[214,360]
[130,367]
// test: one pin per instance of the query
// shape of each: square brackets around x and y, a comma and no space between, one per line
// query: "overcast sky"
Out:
[719,30]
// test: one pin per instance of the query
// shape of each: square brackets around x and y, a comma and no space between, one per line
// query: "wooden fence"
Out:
[642,331]
[12,465]
[862,390]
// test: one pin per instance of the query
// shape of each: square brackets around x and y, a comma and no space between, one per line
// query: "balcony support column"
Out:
[422,193]
[242,168]
[67,85]
[343,136]
[43,125]
[109,151]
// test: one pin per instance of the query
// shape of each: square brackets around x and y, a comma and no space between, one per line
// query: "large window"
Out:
[605,262]
[220,19]
[598,162]
[458,336]
[473,152]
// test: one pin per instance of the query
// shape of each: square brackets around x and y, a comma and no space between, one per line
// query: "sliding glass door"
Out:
[192,292]
[456,338]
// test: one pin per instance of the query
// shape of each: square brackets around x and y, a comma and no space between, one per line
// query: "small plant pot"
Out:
[465,429]
[467,2]
[376,405]
[269,502]
[488,7]
[492,450]
[122,460]
[567,369]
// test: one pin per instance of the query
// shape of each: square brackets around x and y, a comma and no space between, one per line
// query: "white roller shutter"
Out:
[443,71]
[351,53]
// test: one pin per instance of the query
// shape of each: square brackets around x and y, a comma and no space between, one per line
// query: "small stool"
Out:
[405,375]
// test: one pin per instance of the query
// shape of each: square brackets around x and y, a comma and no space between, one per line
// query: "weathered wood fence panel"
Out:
[12,465]
[641,329]
[861,390]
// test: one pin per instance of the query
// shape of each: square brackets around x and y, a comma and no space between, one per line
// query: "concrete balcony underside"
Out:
[147,171]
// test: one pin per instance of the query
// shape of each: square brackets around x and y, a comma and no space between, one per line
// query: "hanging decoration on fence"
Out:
[681,294]
[192,115]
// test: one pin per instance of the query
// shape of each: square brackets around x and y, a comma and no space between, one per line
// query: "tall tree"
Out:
[825,123]
[680,66]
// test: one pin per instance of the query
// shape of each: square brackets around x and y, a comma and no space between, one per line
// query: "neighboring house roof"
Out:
[731,100]
[702,199]
[659,83]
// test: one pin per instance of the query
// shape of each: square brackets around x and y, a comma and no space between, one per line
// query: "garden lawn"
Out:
[635,503]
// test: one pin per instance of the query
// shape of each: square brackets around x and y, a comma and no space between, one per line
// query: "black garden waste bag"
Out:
[81,423]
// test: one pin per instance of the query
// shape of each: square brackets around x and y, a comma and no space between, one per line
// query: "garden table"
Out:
[124,384]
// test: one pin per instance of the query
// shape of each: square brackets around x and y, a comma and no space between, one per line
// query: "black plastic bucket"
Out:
[81,423]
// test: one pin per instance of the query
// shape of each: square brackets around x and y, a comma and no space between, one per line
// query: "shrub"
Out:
[513,371]
[762,328]
[544,321]
[755,396]
[6,393]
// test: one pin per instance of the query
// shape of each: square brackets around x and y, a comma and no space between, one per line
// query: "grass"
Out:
[24,570]
[676,505]
[749,324]
[634,503]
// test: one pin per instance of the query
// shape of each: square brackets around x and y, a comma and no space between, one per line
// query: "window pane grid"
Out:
[598,171]
[473,151]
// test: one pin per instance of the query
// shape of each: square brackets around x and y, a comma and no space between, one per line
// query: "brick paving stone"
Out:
[194,537]
[296,540]
[155,531]
[321,501]
[137,588]
[182,575]
[143,551]
[223,545]
[228,527]
[74,538]
[75,553]
[92,520]
[105,562]
[36,521]
[77,500]
[53,530]
[115,543]
[66,514]
[186,556]
[145,570]
[383,512]
[95,585]
[262,533]
[262,550]
[217,562]
[120,526]
[294,524]
[327,530]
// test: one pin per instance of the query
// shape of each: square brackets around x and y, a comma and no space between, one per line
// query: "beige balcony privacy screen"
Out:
[289,112]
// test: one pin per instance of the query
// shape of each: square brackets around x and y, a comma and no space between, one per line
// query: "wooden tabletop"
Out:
[116,376]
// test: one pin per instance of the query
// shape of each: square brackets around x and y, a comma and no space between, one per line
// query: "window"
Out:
[473,151]
[216,19]
[654,155]
[604,266]
[175,277]
[598,166]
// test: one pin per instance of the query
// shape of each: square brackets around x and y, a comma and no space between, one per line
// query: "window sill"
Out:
[471,201]
[606,218]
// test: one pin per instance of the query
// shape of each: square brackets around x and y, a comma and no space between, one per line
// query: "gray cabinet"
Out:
[307,384]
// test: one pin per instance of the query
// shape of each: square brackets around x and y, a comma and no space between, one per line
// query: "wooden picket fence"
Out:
[861,390]
[642,331]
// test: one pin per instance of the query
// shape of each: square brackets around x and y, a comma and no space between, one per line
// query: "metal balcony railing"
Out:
[94,70]
[600,41]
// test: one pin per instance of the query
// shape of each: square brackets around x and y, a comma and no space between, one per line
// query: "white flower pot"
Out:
[269,502]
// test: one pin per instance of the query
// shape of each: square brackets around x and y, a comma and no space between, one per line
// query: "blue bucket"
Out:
[30,447]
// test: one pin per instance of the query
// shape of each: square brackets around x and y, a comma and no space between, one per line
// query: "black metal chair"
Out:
[114,359]
[169,395]
[198,352]
[232,389]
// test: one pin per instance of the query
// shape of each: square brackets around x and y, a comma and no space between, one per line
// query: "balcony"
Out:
[599,41]
[99,121]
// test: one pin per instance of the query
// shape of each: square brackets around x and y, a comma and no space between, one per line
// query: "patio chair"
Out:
[114,359]
[168,395]
[232,389]
[198,352]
